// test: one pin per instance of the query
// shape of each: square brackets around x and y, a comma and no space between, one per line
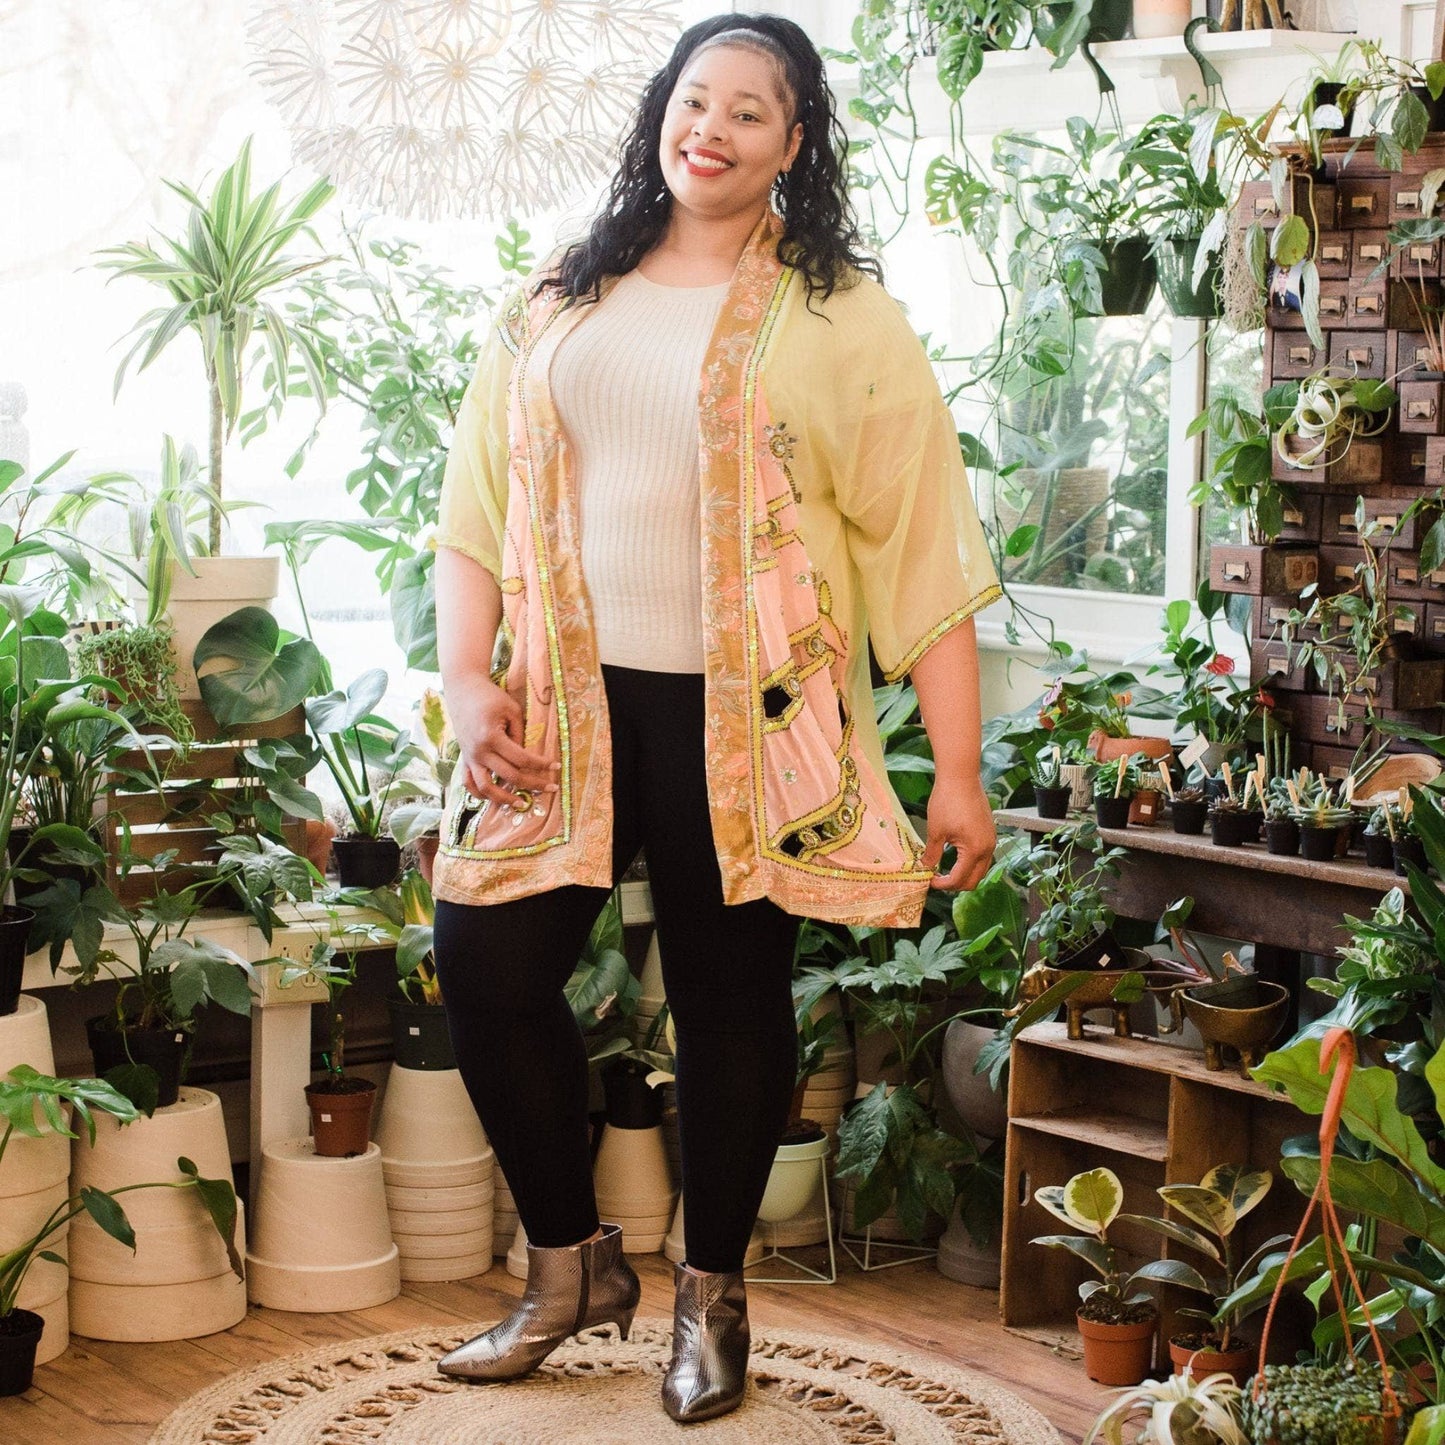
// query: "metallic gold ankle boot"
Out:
[569,1288]
[710,1339]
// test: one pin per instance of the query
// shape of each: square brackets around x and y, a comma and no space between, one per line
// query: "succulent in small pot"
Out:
[1281,830]
[1051,792]
[1379,839]
[1229,822]
[1189,809]
[1320,820]
[1115,784]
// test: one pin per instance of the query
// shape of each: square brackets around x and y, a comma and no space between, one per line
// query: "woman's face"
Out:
[726,132]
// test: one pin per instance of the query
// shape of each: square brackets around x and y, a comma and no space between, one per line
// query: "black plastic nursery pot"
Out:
[1407,851]
[363,862]
[1281,835]
[1189,816]
[1127,282]
[1318,844]
[419,1035]
[1112,812]
[1434,109]
[1174,262]
[1228,829]
[20,1333]
[15,924]
[1102,951]
[163,1049]
[1053,802]
[1379,850]
[631,1102]
[1328,92]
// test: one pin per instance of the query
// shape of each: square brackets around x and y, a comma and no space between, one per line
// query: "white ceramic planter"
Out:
[808,1226]
[427,1118]
[25,1037]
[983,1109]
[178,1284]
[447,1271]
[631,1175]
[322,1240]
[796,1176]
[959,1258]
[221,586]
[459,1199]
[1155,18]
[517,1253]
[475,1172]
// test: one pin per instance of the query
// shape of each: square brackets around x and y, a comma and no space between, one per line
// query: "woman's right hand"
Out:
[489,726]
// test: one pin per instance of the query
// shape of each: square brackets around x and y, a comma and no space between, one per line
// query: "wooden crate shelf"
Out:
[1102,1129]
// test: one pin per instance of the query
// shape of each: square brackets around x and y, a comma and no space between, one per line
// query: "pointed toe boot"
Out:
[710,1339]
[569,1288]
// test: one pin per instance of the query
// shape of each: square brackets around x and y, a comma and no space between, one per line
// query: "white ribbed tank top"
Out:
[625,384]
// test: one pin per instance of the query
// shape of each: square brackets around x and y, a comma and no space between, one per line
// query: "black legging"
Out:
[727,972]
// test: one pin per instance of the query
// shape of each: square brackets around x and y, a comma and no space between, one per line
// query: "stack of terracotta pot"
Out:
[438,1170]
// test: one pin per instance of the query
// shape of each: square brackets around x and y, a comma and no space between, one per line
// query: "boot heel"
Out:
[624,1322]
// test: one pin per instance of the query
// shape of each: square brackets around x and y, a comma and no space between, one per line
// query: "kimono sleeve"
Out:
[912,528]
[473,510]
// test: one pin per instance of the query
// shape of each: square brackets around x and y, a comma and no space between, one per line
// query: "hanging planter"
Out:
[1126,284]
[1174,261]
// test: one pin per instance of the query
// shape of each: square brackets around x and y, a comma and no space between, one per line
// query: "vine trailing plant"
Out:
[141,661]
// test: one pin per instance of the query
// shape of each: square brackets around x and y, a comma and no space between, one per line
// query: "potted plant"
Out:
[165,977]
[420,1039]
[1407,848]
[1189,809]
[1115,784]
[1379,839]
[1185,1409]
[23,1093]
[1184,209]
[1401,100]
[1231,821]
[1051,792]
[1281,828]
[1065,874]
[1320,816]
[418,821]
[1324,414]
[1116,1318]
[1317,1404]
[35,716]
[1331,90]
[224,276]
[365,755]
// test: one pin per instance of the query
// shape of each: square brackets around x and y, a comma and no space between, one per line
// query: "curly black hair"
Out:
[820,232]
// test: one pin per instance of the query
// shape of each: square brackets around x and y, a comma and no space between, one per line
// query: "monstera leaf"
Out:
[266,677]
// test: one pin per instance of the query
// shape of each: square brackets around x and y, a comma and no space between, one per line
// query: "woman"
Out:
[706,693]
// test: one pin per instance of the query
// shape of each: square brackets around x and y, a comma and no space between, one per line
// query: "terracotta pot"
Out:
[1237,1363]
[341,1122]
[1118,1354]
[1106,749]
[319,834]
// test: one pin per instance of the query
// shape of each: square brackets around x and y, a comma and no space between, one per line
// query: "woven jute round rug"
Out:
[597,1390]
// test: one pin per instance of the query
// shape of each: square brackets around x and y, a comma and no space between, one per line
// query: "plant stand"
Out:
[178,1283]
[322,1236]
[906,1251]
[437,1168]
[805,1273]
[33,1180]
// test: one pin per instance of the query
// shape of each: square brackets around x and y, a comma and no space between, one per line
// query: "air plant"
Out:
[1180,1411]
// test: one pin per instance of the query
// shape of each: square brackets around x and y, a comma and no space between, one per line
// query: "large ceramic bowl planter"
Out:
[1118,1354]
[437,1167]
[178,1283]
[221,586]
[321,1240]
[634,1185]
[1241,1014]
[34,1178]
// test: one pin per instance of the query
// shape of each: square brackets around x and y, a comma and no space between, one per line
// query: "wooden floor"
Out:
[98,1393]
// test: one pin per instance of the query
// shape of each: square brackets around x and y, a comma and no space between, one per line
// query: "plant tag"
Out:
[1194,751]
[326,1118]
[180,1038]
[414,1031]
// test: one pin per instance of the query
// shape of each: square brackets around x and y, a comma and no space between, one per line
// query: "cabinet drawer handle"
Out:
[1332,305]
[1407,574]
[1341,727]
[1362,204]
[1422,357]
[1236,571]
[1371,251]
[1390,522]
[1293,518]
[1424,409]
[1279,664]
[1301,355]
[1334,251]
[1419,459]
[1344,573]
[1367,305]
[1347,524]
[1407,200]
[1422,251]
[1360,355]
[1265,206]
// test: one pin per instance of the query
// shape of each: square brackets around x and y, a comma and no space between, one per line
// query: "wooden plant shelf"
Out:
[1102,1129]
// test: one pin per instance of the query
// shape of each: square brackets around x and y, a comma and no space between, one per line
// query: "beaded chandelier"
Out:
[450,108]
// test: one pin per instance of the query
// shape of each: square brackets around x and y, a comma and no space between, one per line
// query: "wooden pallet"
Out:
[205,780]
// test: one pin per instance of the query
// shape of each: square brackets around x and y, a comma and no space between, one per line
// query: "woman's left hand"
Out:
[959,813]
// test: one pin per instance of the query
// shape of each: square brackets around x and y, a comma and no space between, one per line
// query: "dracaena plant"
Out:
[224,275]
[24,1093]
